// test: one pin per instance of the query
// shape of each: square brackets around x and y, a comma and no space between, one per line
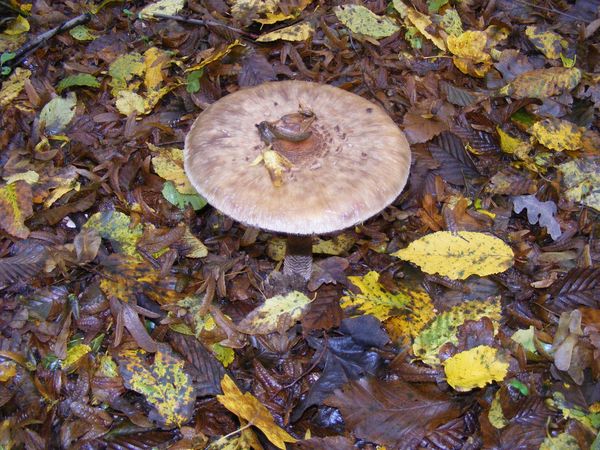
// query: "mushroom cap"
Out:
[355,163]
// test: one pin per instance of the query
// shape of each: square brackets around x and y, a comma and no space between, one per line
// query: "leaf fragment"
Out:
[173,196]
[123,69]
[82,33]
[542,212]
[362,20]
[423,24]
[459,255]
[549,43]
[248,408]
[168,7]
[475,368]
[581,177]
[15,207]
[12,87]
[57,113]
[129,102]
[116,227]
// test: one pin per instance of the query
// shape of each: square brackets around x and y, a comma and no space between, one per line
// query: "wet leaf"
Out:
[173,196]
[164,384]
[582,181]
[469,50]
[168,164]
[12,87]
[552,45]
[538,212]
[116,227]
[423,24]
[129,102]
[458,255]
[364,22]
[57,113]
[79,79]
[543,83]
[475,368]
[18,25]
[579,287]
[245,10]
[513,145]
[74,354]
[26,263]
[248,408]
[444,327]
[168,7]
[557,134]
[82,33]
[294,33]
[212,55]
[123,69]
[276,313]
[15,208]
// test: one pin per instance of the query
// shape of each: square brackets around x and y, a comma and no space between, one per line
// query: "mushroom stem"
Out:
[298,257]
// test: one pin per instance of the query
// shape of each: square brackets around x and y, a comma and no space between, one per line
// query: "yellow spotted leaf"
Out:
[155,60]
[74,354]
[276,313]
[335,246]
[557,134]
[423,24]
[294,33]
[168,164]
[12,87]
[404,312]
[129,102]
[248,408]
[244,9]
[451,22]
[153,96]
[543,83]
[475,368]
[168,7]
[164,384]
[213,55]
[123,69]
[361,20]
[562,441]
[444,327]
[194,246]
[225,355]
[15,208]
[18,25]
[549,43]
[459,255]
[512,145]
[470,45]
[116,227]
[582,180]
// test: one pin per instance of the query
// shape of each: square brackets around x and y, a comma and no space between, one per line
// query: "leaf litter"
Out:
[451,319]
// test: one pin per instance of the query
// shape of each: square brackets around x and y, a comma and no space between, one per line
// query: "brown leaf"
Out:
[256,69]
[391,413]
[87,243]
[580,287]
[328,270]
[324,312]
[27,261]
[421,129]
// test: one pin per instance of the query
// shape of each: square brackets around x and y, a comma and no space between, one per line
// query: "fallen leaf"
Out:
[213,55]
[469,50]
[543,83]
[12,87]
[361,20]
[18,25]
[538,212]
[458,255]
[581,178]
[78,79]
[129,102]
[276,313]
[246,10]
[164,384]
[155,60]
[173,196]
[423,24]
[248,408]
[513,145]
[557,134]
[444,328]
[15,207]
[123,69]
[57,113]
[474,368]
[168,7]
[74,354]
[116,227]
[562,441]
[168,164]
[294,33]
[194,248]
[82,33]
[549,43]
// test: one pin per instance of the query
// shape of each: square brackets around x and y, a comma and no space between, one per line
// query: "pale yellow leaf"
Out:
[12,87]
[475,368]
[129,102]
[18,25]
[298,32]
[423,23]
[557,134]
[168,164]
[168,7]
[363,21]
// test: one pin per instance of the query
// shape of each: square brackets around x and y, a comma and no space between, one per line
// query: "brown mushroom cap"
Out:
[355,163]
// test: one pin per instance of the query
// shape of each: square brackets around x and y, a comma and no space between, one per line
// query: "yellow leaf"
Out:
[12,87]
[8,369]
[195,247]
[30,177]
[547,42]
[444,327]
[557,134]
[248,408]
[155,60]
[451,22]
[58,113]
[582,180]
[214,55]
[168,164]
[470,45]
[74,354]
[292,13]
[168,7]
[458,255]
[242,9]
[543,83]
[298,32]
[123,69]
[423,23]
[129,102]
[361,20]
[336,246]
[153,96]
[116,227]
[15,207]
[513,145]
[475,368]
[18,25]
[496,414]
[276,313]
[225,355]
[404,312]
[245,440]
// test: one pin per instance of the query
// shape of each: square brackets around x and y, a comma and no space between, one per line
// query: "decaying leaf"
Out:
[543,83]
[164,384]
[563,441]
[444,327]
[248,408]
[362,21]
[276,313]
[581,177]
[129,102]
[423,24]
[15,208]
[12,87]
[294,33]
[172,195]
[57,113]
[124,69]
[549,43]
[169,7]
[168,164]
[538,212]
[116,227]
[459,255]
[469,52]
[475,368]
[557,134]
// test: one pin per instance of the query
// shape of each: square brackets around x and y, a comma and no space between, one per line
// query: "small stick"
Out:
[41,38]
[213,23]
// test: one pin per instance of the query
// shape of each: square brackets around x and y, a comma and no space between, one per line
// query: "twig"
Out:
[213,23]
[34,43]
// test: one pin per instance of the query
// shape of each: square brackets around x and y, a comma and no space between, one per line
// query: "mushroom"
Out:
[298,158]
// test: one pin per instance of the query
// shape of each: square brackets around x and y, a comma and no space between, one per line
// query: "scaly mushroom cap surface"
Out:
[354,164]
